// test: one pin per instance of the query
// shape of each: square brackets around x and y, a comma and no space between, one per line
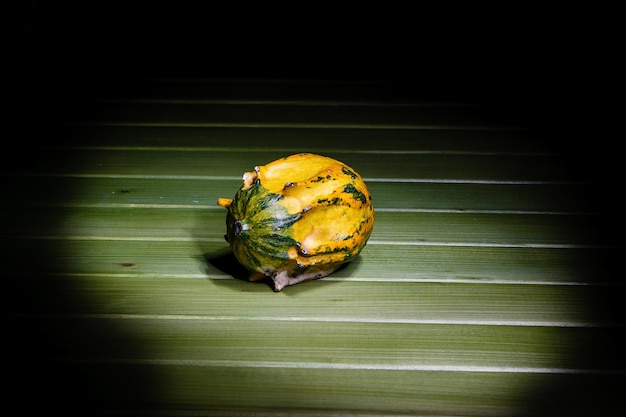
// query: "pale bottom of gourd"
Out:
[282,278]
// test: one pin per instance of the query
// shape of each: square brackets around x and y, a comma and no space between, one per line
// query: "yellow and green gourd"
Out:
[298,218]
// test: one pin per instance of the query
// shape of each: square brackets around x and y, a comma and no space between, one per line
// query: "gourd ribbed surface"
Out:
[299,218]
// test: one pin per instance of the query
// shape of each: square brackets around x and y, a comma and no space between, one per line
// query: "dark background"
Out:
[549,68]
[546,67]
[537,59]
[552,69]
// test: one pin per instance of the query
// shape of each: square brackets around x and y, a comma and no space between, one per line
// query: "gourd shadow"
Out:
[227,263]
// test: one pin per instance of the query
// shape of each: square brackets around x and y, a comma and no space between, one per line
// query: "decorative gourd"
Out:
[298,218]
